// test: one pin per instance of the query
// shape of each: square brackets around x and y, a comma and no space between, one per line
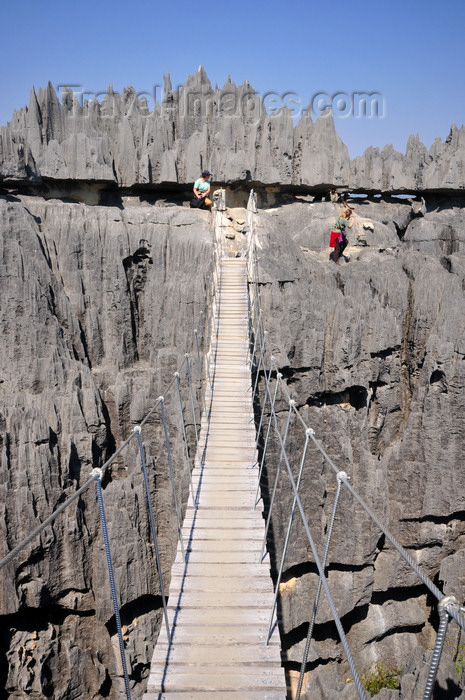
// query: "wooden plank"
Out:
[220,600]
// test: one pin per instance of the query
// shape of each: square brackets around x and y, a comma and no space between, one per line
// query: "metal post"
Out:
[288,534]
[278,470]
[438,647]
[265,444]
[355,675]
[267,383]
[153,529]
[340,477]
[170,465]
[261,361]
[97,474]
[184,436]
[256,335]
[197,344]
[191,395]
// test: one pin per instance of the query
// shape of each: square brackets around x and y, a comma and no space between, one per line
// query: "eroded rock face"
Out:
[101,290]
[229,130]
[372,351]
[99,305]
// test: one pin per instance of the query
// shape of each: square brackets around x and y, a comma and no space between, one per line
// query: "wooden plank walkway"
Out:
[220,599]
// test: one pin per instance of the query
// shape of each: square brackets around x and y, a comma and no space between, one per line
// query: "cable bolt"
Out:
[449,601]
[96,472]
[342,476]
[137,429]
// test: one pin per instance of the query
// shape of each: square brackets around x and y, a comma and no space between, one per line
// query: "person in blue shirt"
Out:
[202,188]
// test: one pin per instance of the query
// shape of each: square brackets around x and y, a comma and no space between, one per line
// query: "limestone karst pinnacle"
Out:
[116,140]
[98,301]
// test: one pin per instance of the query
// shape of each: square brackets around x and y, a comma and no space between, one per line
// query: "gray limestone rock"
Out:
[114,138]
[100,291]
[373,359]
[90,297]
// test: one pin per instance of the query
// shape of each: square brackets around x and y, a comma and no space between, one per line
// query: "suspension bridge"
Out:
[220,631]
[221,590]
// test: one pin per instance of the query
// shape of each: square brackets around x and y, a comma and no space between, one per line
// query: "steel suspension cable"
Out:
[336,618]
[171,471]
[448,604]
[275,486]
[337,621]
[184,437]
[318,592]
[98,477]
[262,410]
[261,361]
[189,381]
[439,645]
[153,528]
[287,539]
[265,445]
[61,508]
[457,615]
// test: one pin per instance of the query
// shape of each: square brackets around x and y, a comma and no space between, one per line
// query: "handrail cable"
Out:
[276,480]
[318,591]
[447,607]
[153,528]
[8,557]
[336,618]
[114,598]
[172,477]
[287,538]
[63,506]
[268,430]
[184,434]
[34,533]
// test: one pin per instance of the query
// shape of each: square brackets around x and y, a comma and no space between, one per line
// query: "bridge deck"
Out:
[220,599]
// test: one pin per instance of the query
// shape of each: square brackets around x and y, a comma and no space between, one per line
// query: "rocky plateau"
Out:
[105,274]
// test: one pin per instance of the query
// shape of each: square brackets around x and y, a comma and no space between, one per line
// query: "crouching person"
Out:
[202,188]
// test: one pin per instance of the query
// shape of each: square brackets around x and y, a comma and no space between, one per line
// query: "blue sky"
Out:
[409,54]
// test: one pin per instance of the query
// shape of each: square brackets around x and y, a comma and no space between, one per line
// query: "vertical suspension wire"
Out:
[189,381]
[268,430]
[199,361]
[340,477]
[357,681]
[278,471]
[261,361]
[439,644]
[171,470]
[255,337]
[97,473]
[262,410]
[153,529]
[206,360]
[288,535]
[252,334]
[454,611]
[184,437]
[337,620]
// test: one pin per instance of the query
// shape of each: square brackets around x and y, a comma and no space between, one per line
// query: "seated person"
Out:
[202,188]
